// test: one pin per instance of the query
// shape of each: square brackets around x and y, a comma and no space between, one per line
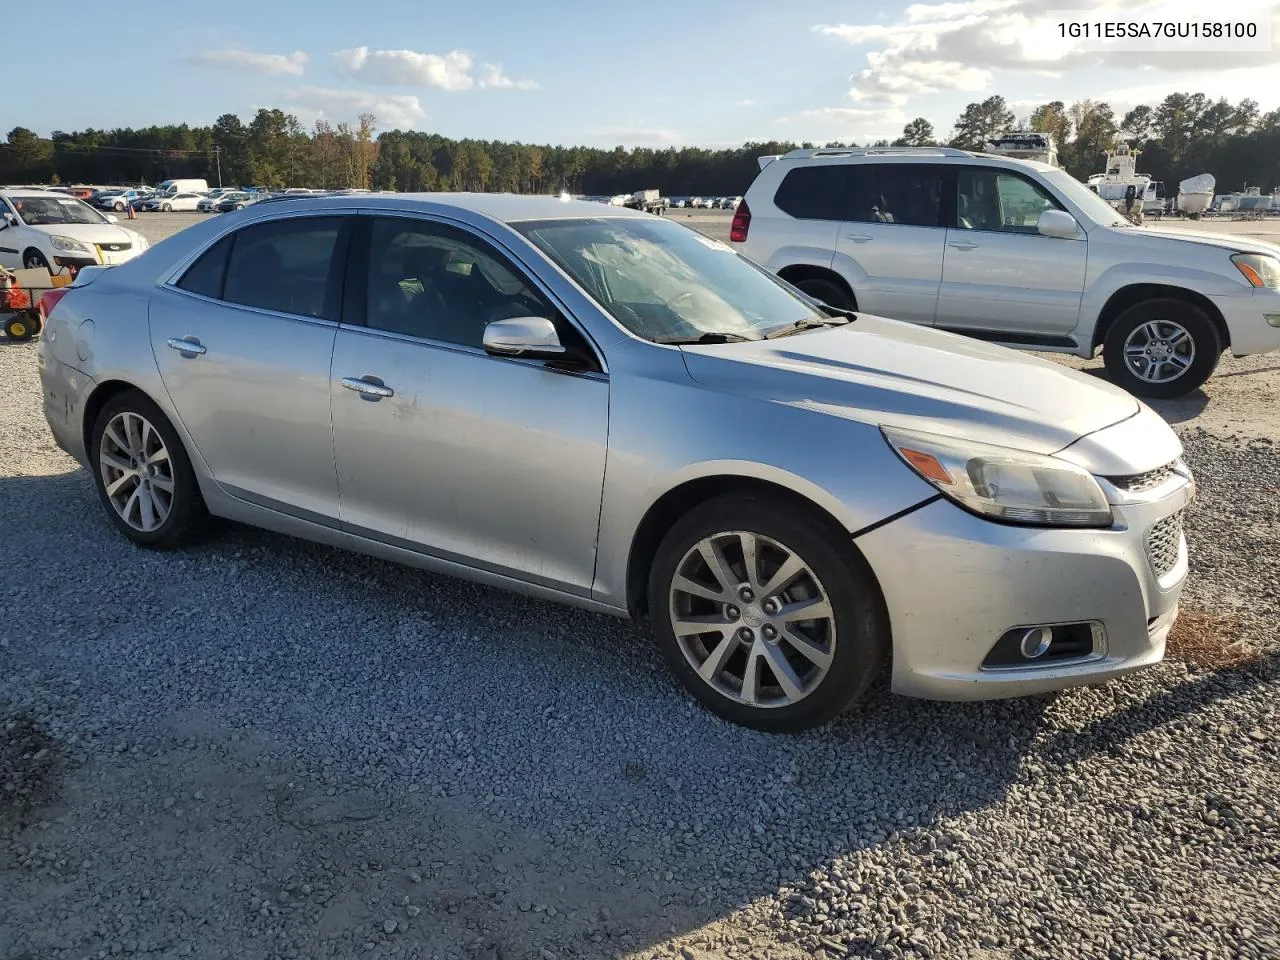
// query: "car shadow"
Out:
[514,750]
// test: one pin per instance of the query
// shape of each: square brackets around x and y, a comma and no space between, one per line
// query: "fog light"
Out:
[1035,642]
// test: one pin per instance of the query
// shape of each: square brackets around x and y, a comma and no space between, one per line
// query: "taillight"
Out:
[741,223]
[49,299]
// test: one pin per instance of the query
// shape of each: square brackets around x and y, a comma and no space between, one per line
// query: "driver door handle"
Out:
[369,388]
[962,244]
[857,237]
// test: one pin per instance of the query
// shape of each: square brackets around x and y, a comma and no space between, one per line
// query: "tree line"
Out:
[1185,134]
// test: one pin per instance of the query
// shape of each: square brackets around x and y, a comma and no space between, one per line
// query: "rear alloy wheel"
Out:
[167,207]
[1162,348]
[764,615]
[143,475]
[118,205]
[828,291]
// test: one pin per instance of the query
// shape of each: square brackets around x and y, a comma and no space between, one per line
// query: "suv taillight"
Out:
[741,223]
[49,299]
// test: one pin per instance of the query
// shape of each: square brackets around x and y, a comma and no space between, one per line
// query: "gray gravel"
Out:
[271,749]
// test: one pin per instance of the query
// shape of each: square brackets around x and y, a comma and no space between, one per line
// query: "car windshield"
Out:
[666,282]
[1093,205]
[39,211]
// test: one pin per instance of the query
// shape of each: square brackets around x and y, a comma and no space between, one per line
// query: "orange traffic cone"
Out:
[132,215]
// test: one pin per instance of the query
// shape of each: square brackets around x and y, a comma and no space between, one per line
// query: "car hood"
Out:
[1223,241]
[89,232]
[894,374]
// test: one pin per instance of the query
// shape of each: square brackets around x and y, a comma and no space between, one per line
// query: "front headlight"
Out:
[1259,269]
[1010,485]
[68,245]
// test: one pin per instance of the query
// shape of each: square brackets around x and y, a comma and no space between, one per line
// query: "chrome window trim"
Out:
[528,271]
[276,314]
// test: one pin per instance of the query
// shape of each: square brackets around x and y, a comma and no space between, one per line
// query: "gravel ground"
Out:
[263,748]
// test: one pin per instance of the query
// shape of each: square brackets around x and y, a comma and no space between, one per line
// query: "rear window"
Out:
[904,193]
[814,192]
[205,276]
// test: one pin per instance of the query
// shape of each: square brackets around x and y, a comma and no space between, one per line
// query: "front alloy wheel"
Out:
[752,619]
[766,612]
[1162,348]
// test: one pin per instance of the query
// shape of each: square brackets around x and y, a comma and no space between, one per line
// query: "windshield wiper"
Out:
[807,323]
[705,338]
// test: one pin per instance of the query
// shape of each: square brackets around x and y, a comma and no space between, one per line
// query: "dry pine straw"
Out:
[1208,640]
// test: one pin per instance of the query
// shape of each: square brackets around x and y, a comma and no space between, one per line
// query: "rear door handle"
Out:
[962,244]
[189,347]
[369,388]
[857,237]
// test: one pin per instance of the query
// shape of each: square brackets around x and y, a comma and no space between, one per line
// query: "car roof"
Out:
[18,194]
[502,207]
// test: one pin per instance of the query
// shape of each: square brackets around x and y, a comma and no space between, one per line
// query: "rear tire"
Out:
[118,206]
[167,207]
[829,292]
[134,454]
[827,660]
[1161,348]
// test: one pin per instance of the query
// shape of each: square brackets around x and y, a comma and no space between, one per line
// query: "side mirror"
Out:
[112,218]
[1058,223]
[534,338]
[9,221]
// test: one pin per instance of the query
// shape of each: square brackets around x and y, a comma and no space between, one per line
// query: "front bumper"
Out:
[955,583]
[1253,321]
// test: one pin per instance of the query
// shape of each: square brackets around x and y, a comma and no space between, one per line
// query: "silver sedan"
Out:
[603,408]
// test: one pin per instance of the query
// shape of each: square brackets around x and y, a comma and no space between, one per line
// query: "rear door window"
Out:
[287,266]
[903,193]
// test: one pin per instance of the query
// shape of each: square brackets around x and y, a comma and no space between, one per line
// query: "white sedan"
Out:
[170,202]
[39,228]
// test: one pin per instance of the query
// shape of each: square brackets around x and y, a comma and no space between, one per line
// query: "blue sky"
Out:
[713,72]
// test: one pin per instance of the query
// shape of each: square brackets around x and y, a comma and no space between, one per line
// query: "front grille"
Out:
[113,247]
[1163,540]
[1140,482]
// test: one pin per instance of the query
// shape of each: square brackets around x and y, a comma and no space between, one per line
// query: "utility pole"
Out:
[217,155]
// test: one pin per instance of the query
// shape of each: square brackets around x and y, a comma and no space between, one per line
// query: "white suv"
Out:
[1011,251]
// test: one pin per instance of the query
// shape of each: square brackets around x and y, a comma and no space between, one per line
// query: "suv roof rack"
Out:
[876,151]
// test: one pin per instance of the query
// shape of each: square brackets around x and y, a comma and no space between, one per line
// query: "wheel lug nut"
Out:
[732,613]
[769,631]
[771,606]
[745,635]
[746,595]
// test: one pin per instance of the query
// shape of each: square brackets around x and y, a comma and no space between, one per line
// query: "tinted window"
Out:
[285,266]
[904,193]
[205,276]
[432,281]
[988,199]
[814,192]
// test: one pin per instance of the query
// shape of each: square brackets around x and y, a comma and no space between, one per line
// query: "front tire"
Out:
[1161,348]
[35,260]
[118,206]
[143,475]
[167,207]
[768,617]
[828,291]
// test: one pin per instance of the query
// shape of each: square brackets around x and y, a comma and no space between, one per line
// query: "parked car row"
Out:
[706,203]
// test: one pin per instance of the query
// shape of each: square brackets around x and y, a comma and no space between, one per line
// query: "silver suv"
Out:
[1011,251]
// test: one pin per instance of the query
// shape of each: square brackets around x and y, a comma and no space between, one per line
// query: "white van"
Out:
[170,187]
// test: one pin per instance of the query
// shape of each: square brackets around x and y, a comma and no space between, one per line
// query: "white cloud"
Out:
[392,110]
[627,133]
[494,79]
[847,123]
[745,103]
[936,47]
[268,63]
[449,71]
